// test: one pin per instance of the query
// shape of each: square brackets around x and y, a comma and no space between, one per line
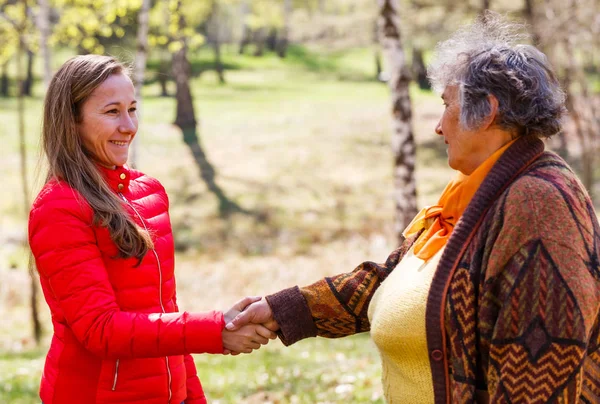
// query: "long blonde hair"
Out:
[70,87]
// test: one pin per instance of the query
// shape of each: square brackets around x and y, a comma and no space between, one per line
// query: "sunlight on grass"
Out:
[303,144]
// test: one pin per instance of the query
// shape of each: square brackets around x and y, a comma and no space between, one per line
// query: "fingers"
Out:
[266,333]
[273,326]
[246,339]
[245,302]
[258,312]
[259,339]
[239,321]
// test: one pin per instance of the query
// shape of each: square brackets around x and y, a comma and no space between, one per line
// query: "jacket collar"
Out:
[117,179]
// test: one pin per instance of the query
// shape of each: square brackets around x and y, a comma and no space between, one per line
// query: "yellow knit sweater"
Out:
[397,316]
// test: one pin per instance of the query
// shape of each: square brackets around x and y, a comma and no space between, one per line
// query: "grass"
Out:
[305,144]
[309,372]
[292,140]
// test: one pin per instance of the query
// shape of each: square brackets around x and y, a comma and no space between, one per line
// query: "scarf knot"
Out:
[438,221]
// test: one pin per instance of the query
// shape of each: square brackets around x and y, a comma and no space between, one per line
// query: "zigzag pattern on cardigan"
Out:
[521,313]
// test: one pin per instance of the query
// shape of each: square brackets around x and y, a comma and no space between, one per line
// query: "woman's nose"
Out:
[438,128]
[128,125]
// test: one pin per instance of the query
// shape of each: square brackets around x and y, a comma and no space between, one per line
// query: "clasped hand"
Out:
[249,324]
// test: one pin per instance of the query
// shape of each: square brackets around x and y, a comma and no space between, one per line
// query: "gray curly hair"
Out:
[484,58]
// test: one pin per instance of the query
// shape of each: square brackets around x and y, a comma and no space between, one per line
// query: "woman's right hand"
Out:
[246,339]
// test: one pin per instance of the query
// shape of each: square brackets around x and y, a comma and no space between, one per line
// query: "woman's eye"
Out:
[112,111]
[133,109]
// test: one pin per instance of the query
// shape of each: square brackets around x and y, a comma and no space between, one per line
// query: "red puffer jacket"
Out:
[117,335]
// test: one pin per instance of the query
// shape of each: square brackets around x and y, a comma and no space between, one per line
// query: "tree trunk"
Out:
[582,115]
[283,39]
[43,21]
[186,120]
[529,12]
[186,116]
[218,62]
[164,70]
[244,12]
[403,144]
[33,300]
[419,70]
[214,37]
[271,41]
[259,40]
[27,83]
[35,321]
[4,80]
[141,56]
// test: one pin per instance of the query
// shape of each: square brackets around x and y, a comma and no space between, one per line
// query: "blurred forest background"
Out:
[294,137]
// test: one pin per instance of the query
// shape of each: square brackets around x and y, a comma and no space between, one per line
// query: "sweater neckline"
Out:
[117,179]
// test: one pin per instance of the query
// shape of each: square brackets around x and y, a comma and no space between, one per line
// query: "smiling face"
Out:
[466,148]
[108,121]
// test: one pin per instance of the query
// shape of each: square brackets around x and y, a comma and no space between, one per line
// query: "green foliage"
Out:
[265,14]
[14,25]
[89,24]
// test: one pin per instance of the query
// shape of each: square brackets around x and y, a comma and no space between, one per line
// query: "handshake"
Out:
[248,325]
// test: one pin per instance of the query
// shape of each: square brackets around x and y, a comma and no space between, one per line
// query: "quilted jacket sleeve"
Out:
[541,296]
[64,246]
[333,307]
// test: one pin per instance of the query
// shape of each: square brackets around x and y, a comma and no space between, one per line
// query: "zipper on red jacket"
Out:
[114,387]
[159,291]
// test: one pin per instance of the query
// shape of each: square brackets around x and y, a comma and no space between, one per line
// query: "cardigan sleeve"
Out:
[64,246]
[540,297]
[335,306]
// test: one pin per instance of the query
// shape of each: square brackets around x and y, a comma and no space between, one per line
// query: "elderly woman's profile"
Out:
[101,237]
[494,295]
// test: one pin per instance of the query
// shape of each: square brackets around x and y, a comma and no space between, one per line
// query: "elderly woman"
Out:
[494,295]
[101,237]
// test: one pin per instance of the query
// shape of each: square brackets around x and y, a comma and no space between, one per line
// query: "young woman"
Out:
[101,237]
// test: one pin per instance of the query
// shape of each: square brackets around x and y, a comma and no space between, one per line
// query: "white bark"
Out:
[403,144]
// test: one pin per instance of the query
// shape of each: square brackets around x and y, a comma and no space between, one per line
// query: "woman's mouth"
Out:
[118,143]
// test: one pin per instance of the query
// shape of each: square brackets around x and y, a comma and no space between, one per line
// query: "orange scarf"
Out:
[439,220]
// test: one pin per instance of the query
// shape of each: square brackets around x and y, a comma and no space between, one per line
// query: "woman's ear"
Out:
[491,117]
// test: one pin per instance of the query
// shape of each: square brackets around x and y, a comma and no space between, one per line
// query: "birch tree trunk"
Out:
[403,144]
[141,56]
[43,22]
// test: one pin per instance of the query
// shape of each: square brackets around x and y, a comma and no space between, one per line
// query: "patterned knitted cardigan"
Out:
[512,312]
